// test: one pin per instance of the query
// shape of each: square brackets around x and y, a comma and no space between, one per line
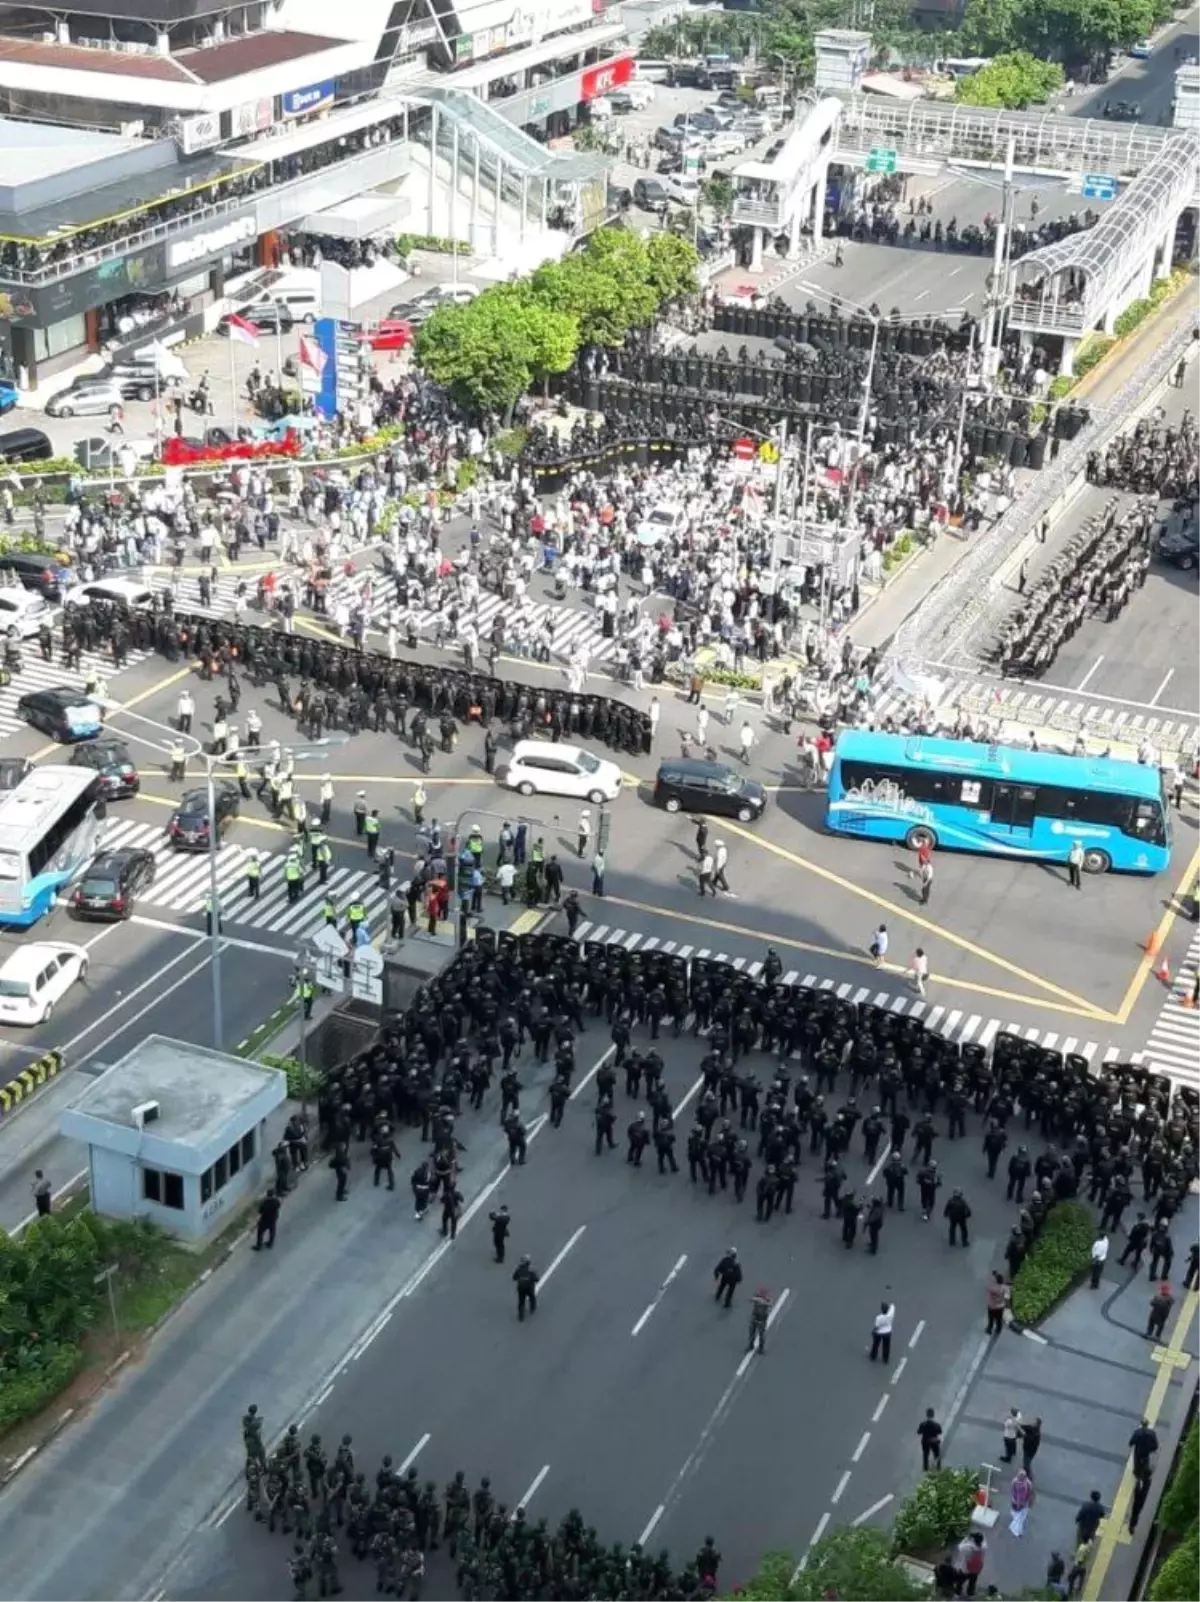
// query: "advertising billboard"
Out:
[299,102]
[606,76]
[251,117]
[201,132]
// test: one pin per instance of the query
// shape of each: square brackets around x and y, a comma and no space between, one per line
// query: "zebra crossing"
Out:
[574,628]
[956,1024]
[1102,722]
[38,675]
[1173,1048]
[182,884]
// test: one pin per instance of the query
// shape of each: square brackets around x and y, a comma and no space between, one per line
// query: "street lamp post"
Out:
[195,748]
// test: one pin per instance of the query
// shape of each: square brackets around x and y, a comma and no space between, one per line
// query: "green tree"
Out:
[489,351]
[600,288]
[671,266]
[717,192]
[990,27]
[1014,81]
[1179,1578]
[846,1563]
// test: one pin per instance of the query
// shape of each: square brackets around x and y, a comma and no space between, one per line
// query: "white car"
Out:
[541,768]
[448,294]
[22,612]
[36,977]
[129,592]
[668,517]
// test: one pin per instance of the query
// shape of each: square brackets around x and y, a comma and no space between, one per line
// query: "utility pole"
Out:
[998,296]
[777,504]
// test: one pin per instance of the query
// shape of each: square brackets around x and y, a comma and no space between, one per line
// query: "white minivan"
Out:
[541,768]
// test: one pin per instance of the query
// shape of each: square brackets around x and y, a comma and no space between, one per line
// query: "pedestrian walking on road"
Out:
[704,874]
[760,1312]
[268,1221]
[1031,1440]
[598,866]
[1020,1500]
[879,945]
[501,1222]
[701,839]
[1099,1258]
[1192,1275]
[971,1552]
[929,1433]
[881,1332]
[918,970]
[583,833]
[998,1296]
[1075,865]
[728,1275]
[525,1278]
[925,882]
[747,742]
[1012,1434]
[720,859]
[1161,1304]
[43,1196]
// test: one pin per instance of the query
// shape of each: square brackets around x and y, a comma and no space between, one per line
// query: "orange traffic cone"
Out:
[1163,972]
[1152,942]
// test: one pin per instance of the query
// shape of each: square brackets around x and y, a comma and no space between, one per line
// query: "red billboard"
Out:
[602,79]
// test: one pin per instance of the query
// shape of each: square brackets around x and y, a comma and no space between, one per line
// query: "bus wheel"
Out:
[920,836]
[1096,862]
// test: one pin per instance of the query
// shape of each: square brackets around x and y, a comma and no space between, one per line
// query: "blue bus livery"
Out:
[999,799]
[50,827]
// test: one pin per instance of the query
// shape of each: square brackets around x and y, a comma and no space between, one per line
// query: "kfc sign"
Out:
[602,80]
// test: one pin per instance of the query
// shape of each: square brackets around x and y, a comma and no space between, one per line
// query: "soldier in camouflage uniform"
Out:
[252,1434]
[458,1510]
[300,1570]
[315,1463]
[254,1487]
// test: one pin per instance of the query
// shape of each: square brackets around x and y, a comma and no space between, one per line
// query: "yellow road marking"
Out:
[1078,1004]
[1151,959]
[860,960]
[1170,1359]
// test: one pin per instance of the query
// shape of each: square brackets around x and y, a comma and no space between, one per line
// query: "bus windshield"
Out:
[1000,800]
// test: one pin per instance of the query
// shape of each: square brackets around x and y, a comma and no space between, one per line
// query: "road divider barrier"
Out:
[29,1080]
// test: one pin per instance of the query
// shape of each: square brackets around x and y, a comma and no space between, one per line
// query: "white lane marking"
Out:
[532,1491]
[960,1396]
[878,1168]
[662,1291]
[1162,687]
[840,1489]
[1083,683]
[100,935]
[688,1096]
[146,984]
[696,1456]
[898,1370]
[861,1447]
[592,1072]
[644,1538]
[1032,1335]
[916,1334]
[197,935]
[880,1405]
[558,1260]
[373,1333]
[875,1507]
[413,1455]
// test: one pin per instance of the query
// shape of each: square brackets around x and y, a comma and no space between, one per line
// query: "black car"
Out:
[40,571]
[25,445]
[112,883]
[188,828]
[687,785]
[63,712]
[112,761]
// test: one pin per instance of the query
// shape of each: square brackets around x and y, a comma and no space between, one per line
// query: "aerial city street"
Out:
[620,603]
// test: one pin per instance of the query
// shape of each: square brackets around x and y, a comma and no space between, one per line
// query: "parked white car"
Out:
[36,977]
[124,591]
[538,767]
[22,612]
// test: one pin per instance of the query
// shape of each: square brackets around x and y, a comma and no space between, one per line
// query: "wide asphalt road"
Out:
[628,1395]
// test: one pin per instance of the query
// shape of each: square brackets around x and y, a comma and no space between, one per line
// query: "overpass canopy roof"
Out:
[812,134]
[1138,214]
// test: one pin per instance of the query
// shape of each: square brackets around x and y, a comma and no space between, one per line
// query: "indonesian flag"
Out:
[241,330]
[311,354]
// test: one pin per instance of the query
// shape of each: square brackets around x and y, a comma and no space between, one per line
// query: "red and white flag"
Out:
[240,329]
[311,354]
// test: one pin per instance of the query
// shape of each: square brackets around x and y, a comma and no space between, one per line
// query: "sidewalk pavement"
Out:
[1091,1375]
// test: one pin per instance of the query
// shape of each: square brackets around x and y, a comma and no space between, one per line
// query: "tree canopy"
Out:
[846,1563]
[491,350]
[1013,81]
[1074,32]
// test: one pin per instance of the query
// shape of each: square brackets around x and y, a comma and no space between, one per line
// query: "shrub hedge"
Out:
[938,1513]
[1179,1578]
[1059,1259]
[26,1391]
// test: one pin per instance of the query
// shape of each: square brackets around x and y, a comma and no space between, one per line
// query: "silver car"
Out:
[87,397]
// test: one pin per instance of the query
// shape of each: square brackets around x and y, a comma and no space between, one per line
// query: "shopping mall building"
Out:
[156,154]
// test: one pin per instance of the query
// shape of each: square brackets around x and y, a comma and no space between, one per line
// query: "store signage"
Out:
[199,133]
[251,117]
[609,75]
[214,242]
[299,102]
[415,36]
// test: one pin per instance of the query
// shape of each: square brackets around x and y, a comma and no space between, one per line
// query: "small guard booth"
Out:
[177,1133]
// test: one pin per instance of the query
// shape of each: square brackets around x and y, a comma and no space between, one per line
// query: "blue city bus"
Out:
[997,799]
[50,828]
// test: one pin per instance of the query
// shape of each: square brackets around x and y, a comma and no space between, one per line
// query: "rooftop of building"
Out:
[208,65]
[198,1091]
[34,151]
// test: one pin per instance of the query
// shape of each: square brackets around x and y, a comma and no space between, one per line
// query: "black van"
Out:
[39,571]
[686,785]
[25,445]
